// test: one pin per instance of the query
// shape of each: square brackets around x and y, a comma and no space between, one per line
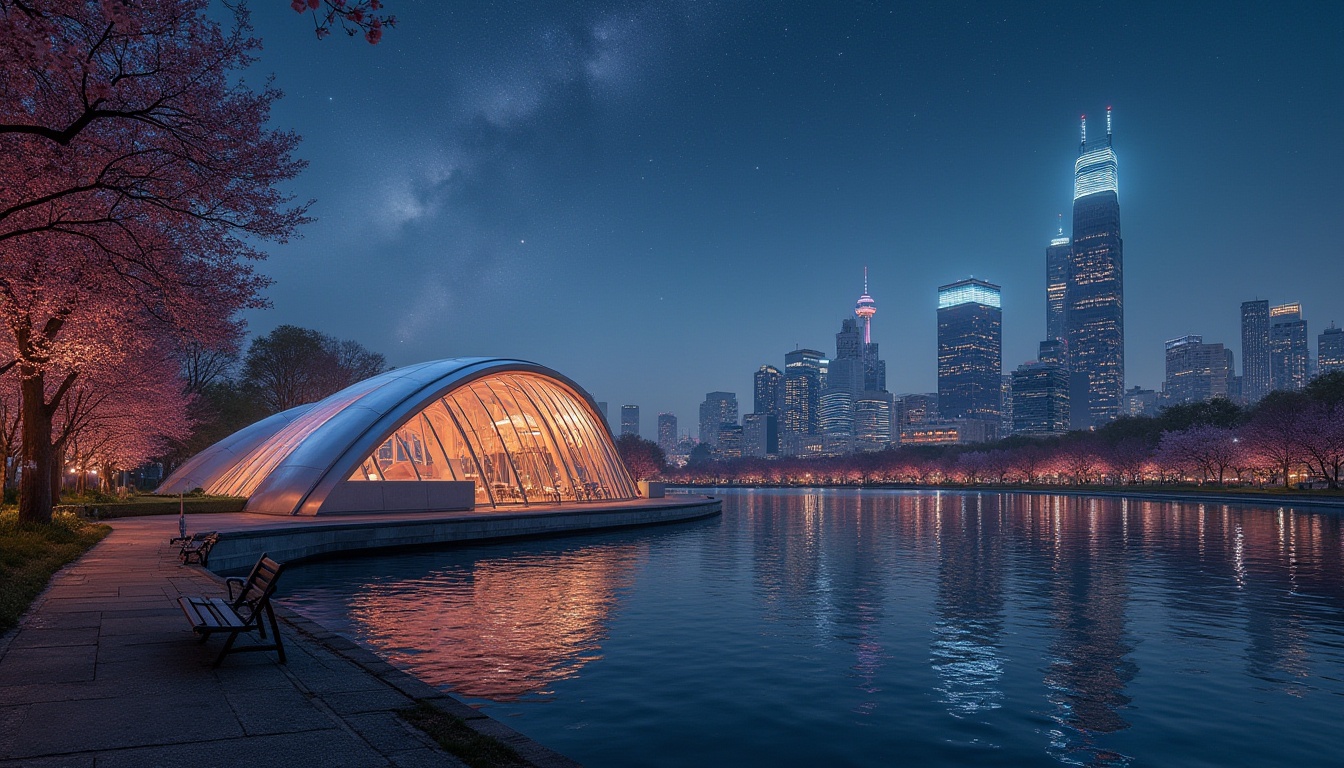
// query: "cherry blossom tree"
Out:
[137,178]
[349,16]
[1273,433]
[1321,441]
[118,417]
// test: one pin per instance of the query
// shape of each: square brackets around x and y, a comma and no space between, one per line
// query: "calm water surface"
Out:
[880,628]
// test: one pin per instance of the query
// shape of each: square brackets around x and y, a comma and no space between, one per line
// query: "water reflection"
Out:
[498,628]
[1002,628]
[965,654]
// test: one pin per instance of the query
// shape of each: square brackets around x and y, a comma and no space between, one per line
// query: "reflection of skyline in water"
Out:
[1006,628]
[969,624]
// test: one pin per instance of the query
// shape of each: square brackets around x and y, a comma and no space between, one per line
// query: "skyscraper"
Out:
[1255,381]
[1057,256]
[872,421]
[1197,372]
[1288,351]
[760,436]
[667,432]
[1094,310]
[1330,350]
[718,409]
[768,390]
[970,350]
[804,371]
[835,419]
[1040,399]
[846,368]
[630,420]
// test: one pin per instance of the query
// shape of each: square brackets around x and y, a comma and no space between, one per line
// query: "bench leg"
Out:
[225,650]
[275,630]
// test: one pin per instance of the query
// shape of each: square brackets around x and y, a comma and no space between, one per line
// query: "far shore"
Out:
[1248,495]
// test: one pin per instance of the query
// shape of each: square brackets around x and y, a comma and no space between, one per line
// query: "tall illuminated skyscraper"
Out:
[874,367]
[1094,306]
[1330,350]
[804,374]
[630,420]
[717,410]
[1255,381]
[970,350]
[1057,257]
[1288,352]
[667,432]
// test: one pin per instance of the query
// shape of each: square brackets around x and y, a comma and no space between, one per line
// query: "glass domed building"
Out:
[444,435]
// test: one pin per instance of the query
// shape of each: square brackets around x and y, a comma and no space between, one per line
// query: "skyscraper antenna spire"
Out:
[1108,126]
[1083,143]
[865,279]
[1061,224]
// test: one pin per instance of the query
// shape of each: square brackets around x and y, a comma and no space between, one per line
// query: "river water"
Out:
[875,628]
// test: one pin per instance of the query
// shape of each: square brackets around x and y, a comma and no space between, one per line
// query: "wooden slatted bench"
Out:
[197,547]
[240,613]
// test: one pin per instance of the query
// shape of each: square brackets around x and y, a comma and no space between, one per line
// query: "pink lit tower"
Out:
[865,309]
[874,368]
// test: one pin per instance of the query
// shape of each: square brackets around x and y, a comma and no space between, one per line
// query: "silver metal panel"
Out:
[203,469]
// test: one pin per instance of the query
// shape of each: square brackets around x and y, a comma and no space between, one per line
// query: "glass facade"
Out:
[1255,381]
[970,350]
[522,438]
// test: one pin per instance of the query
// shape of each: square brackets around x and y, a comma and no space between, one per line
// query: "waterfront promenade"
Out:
[104,670]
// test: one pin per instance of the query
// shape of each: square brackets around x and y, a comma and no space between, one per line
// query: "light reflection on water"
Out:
[869,628]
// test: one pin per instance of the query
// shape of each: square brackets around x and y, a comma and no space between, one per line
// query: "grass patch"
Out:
[458,739]
[31,552]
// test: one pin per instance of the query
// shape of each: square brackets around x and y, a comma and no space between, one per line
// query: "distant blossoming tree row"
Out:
[1288,437]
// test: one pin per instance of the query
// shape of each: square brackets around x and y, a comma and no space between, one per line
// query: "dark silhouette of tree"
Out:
[292,366]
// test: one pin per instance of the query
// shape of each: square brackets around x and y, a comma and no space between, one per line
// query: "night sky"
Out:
[657,198]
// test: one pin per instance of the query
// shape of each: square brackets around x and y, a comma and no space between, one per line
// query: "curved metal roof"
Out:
[290,462]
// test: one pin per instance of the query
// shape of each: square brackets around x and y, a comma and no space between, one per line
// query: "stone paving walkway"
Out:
[104,671]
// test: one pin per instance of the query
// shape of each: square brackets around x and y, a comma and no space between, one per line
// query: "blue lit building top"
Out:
[1095,171]
[968,292]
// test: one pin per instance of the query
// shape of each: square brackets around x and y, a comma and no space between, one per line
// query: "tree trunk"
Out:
[38,454]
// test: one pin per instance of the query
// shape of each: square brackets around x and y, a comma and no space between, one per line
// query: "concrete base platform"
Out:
[244,537]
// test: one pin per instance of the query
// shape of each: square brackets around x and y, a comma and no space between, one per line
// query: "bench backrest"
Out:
[259,587]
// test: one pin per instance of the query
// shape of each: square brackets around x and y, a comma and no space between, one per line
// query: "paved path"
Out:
[104,671]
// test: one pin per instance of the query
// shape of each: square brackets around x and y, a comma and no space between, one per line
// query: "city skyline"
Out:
[728,171]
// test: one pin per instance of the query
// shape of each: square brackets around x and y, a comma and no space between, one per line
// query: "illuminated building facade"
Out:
[1094,311]
[1057,257]
[1288,353]
[719,408]
[970,350]
[1197,372]
[872,421]
[448,434]
[768,390]
[804,374]
[1255,379]
[1330,350]
[630,420]
[950,432]
[760,435]
[835,419]
[667,432]
[1040,399]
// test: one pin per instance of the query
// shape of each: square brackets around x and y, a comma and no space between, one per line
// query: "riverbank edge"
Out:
[243,538]
[1224,497]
